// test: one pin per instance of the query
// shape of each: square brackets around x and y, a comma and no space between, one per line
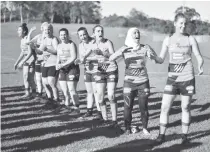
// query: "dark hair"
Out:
[64,29]
[179,15]
[84,29]
[96,27]
[24,28]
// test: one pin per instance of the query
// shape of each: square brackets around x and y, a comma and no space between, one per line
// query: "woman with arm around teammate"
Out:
[181,78]
[68,72]
[86,57]
[37,40]
[49,50]
[136,81]
[26,60]
[107,75]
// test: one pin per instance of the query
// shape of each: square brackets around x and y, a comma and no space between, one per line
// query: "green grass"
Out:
[25,126]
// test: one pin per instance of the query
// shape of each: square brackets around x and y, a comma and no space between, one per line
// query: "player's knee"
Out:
[165,108]
[45,82]
[111,98]
[51,83]
[65,93]
[102,103]
[186,108]
[25,76]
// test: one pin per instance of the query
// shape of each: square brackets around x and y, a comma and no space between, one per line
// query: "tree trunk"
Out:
[52,18]
[4,17]
[64,19]
[27,15]
[83,20]
[10,16]
[21,14]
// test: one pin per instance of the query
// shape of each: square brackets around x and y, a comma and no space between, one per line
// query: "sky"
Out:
[158,9]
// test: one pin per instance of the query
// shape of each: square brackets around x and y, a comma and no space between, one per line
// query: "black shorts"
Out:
[184,88]
[30,65]
[38,66]
[105,77]
[141,89]
[71,73]
[49,71]
[89,77]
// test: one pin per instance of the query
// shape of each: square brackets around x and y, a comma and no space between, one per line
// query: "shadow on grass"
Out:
[62,140]
[13,89]
[144,145]
[87,129]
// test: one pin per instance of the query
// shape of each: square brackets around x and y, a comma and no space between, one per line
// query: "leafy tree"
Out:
[190,13]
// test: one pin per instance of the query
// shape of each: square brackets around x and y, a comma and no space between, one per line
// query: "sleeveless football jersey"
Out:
[25,50]
[49,59]
[135,62]
[180,54]
[102,49]
[91,64]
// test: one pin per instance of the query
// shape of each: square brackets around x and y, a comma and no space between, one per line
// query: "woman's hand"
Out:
[78,61]
[33,29]
[15,66]
[58,66]
[200,70]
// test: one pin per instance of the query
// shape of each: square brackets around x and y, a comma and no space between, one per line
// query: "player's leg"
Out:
[25,80]
[45,82]
[129,96]
[101,86]
[64,87]
[51,78]
[38,76]
[187,89]
[143,94]
[90,94]
[32,83]
[167,101]
[111,86]
[186,116]
[98,114]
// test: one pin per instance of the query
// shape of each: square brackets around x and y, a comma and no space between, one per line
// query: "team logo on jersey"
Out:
[97,78]
[190,89]
[168,88]
[84,77]
[112,77]
[71,77]
[146,90]
[127,90]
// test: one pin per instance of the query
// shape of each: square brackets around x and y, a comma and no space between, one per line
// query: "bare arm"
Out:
[55,45]
[163,52]
[118,53]
[110,47]
[29,34]
[18,60]
[196,52]
[82,54]
[58,65]
[28,55]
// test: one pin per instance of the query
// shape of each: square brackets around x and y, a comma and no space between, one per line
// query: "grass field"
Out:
[25,126]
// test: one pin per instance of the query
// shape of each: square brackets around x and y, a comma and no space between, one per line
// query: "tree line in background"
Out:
[137,18]
[51,11]
[89,12]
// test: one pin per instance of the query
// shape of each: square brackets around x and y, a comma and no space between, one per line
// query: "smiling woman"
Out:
[181,77]
[26,61]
